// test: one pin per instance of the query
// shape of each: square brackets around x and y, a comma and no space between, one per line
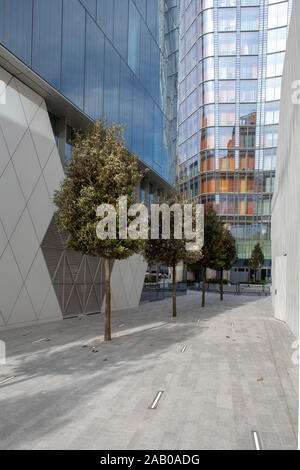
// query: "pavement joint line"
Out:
[155,402]
[257,441]
[4,381]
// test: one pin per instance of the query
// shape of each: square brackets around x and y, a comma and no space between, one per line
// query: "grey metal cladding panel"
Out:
[78,280]
[53,256]
[75,262]
[92,301]
[99,274]
[100,293]
[53,238]
[59,292]
[73,305]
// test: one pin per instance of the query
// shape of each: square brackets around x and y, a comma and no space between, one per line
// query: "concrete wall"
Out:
[30,171]
[127,280]
[39,279]
[286,200]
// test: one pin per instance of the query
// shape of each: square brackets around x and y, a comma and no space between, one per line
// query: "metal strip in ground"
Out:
[256,439]
[4,381]
[156,400]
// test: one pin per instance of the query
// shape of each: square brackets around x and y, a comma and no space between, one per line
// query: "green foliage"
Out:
[217,281]
[151,279]
[208,256]
[253,282]
[213,230]
[101,169]
[227,253]
[257,257]
[169,252]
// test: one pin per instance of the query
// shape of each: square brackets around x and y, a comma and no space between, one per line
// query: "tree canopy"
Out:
[170,251]
[227,253]
[209,254]
[257,258]
[100,171]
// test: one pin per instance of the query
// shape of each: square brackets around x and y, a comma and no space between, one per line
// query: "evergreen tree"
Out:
[169,252]
[227,255]
[209,254]
[257,258]
[101,169]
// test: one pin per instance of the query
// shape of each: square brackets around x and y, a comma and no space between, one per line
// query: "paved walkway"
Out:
[64,396]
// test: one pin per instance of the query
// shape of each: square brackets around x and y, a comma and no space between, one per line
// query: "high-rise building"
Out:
[63,64]
[231,55]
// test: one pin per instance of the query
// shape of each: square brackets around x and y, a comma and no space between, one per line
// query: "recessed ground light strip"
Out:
[256,439]
[40,340]
[156,400]
[4,381]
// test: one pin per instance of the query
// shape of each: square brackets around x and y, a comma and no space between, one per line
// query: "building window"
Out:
[227,114]
[227,92]
[227,137]
[248,67]
[249,19]
[277,40]
[272,112]
[227,44]
[273,89]
[248,91]
[227,68]
[275,64]
[278,15]
[248,114]
[227,19]
[249,43]
[207,116]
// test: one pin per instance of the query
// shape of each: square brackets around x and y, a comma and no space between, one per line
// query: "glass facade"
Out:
[231,55]
[113,59]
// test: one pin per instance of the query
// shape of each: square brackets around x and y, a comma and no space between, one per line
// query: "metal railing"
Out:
[234,289]
[153,291]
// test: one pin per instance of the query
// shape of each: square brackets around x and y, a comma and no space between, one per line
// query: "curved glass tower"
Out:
[231,59]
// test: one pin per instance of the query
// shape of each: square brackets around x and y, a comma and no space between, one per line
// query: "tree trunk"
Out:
[203,287]
[107,327]
[221,285]
[174,290]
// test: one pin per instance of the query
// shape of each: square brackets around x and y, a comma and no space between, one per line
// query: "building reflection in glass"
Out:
[229,159]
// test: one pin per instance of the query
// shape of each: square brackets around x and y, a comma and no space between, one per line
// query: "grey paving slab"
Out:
[64,396]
